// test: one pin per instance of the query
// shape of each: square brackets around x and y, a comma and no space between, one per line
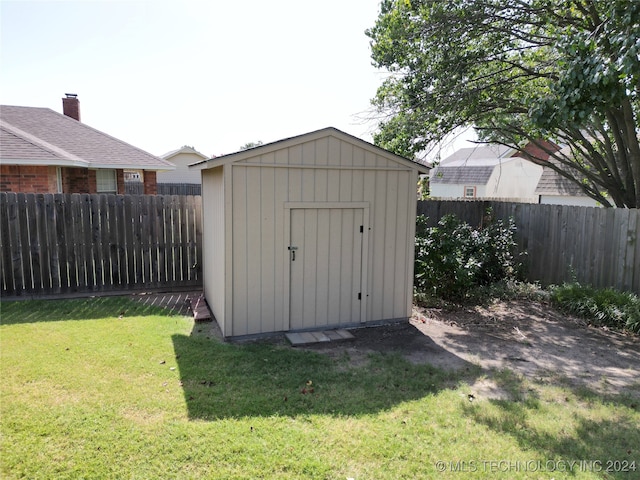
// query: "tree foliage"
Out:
[250,145]
[452,258]
[522,72]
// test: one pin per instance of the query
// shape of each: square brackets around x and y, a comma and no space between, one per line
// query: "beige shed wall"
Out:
[323,170]
[213,202]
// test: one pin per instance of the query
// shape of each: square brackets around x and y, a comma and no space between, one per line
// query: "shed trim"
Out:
[290,205]
[307,137]
[323,167]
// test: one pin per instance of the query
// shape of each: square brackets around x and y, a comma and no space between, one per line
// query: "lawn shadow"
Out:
[92,308]
[603,446]
[225,380]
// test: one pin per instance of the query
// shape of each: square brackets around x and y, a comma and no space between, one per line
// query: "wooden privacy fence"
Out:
[594,246]
[56,244]
[137,188]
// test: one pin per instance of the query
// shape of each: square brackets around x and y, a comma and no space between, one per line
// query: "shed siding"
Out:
[260,260]
[214,247]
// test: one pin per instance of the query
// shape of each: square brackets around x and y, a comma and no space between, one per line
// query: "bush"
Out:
[452,258]
[603,307]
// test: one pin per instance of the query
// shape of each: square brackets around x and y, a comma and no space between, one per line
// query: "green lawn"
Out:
[86,394]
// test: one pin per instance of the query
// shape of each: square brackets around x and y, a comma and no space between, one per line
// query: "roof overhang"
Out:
[60,162]
[183,150]
[132,166]
[307,137]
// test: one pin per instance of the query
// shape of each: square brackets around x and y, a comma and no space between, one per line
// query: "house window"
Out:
[58,180]
[133,176]
[106,181]
[469,192]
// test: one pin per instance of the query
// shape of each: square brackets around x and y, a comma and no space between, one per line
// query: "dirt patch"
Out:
[529,338]
[526,337]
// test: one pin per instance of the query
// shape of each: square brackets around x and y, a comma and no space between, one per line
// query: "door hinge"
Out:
[360,296]
[361,228]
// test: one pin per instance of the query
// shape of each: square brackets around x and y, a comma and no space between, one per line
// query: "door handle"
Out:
[293,252]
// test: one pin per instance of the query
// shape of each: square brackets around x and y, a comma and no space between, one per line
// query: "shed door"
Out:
[325,258]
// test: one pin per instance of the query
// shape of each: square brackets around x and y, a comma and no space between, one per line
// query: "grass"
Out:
[601,306]
[87,394]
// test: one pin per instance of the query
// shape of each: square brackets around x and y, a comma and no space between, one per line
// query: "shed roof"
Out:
[299,139]
[41,136]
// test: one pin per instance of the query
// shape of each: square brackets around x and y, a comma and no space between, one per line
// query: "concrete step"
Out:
[298,339]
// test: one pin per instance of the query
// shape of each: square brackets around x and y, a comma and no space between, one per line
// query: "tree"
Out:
[249,145]
[543,73]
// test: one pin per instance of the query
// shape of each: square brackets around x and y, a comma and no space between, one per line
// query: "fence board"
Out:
[631,261]
[136,233]
[5,247]
[158,239]
[635,284]
[621,220]
[115,241]
[29,246]
[101,237]
[184,208]
[80,243]
[128,222]
[595,246]
[17,262]
[197,268]
[580,246]
[59,254]
[604,239]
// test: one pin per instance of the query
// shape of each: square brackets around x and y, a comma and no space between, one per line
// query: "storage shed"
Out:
[308,233]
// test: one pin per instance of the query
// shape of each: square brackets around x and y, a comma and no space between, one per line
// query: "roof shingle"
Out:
[552,183]
[34,134]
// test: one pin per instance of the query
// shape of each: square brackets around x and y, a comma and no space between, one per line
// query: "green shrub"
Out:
[453,258]
[604,307]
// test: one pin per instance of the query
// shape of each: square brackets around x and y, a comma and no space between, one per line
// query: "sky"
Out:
[211,74]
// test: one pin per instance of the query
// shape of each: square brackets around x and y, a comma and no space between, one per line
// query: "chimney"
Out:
[71,106]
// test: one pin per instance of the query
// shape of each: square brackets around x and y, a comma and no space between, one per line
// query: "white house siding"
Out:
[578,200]
[447,190]
[452,190]
[515,178]
[214,247]
[337,173]
[182,173]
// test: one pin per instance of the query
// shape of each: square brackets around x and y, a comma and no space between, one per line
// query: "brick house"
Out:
[43,151]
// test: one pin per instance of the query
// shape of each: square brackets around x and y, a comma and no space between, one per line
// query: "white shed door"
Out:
[325,258]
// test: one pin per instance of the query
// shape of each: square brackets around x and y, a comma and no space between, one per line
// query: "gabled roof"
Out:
[552,183]
[40,136]
[299,139]
[472,155]
[471,166]
[185,149]
[462,175]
